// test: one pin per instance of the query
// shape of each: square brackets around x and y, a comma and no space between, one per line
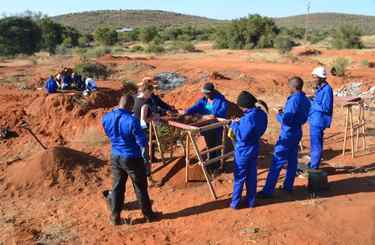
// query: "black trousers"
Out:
[213,138]
[135,169]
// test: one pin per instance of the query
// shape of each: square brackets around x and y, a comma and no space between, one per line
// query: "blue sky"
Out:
[221,9]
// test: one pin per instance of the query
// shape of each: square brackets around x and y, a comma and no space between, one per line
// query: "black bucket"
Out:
[317,182]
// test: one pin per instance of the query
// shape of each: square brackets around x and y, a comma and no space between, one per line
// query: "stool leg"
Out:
[357,129]
[363,128]
[346,130]
[351,130]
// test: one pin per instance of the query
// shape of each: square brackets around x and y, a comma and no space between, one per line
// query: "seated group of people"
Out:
[126,128]
[68,79]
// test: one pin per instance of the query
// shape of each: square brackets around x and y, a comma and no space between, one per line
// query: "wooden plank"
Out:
[196,149]
[206,163]
[212,126]
[182,126]
[220,147]
[346,131]
[187,159]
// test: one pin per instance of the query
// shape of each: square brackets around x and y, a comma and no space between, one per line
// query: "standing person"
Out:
[142,111]
[320,116]
[51,85]
[158,106]
[127,139]
[291,118]
[211,106]
[247,132]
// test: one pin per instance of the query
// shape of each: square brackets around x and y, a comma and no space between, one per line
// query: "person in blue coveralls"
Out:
[247,132]
[320,116]
[127,137]
[212,105]
[51,85]
[292,118]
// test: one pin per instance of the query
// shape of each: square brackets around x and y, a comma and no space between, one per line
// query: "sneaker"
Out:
[117,220]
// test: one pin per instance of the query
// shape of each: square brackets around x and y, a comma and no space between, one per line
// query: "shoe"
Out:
[262,195]
[117,220]
[153,216]
[107,195]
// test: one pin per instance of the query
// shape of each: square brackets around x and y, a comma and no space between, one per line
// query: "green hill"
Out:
[320,21]
[90,21]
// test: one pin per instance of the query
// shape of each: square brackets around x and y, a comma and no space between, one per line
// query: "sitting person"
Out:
[51,85]
[78,82]
[66,81]
[90,84]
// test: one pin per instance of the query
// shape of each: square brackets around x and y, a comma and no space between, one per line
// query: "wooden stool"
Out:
[358,128]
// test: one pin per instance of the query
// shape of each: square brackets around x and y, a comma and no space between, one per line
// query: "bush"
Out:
[184,46]
[106,36]
[95,71]
[340,66]
[19,36]
[347,37]
[52,34]
[284,43]
[101,51]
[317,36]
[83,41]
[137,48]
[155,48]
[148,34]
[246,33]
[365,63]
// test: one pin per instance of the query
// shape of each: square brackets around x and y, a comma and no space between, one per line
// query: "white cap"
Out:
[320,71]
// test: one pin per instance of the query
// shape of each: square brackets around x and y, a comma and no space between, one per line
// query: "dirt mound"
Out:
[56,166]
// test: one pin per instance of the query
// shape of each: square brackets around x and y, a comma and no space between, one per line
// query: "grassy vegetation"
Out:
[89,21]
[327,21]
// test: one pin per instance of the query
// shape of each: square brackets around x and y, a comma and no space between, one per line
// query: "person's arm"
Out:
[196,108]
[242,129]
[160,103]
[145,110]
[289,114]
[139,135]
[326,104]
[221,110]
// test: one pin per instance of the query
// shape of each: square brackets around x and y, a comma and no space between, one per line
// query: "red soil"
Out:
[54,196]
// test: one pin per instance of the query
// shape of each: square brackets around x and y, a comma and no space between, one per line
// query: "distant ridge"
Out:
[89,21]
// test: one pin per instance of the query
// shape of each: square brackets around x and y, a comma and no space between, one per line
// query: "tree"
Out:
[106,36]
[19,35]
[284,43]
[52,34]
[72,34]
[347,37]
[247,33]
[147,34]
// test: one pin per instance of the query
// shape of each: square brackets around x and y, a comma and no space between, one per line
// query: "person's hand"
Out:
[236,119]
[208,117]
[181,112]
[278,109]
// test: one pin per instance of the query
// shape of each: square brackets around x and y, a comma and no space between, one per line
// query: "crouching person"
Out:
[247,132]
[127,138]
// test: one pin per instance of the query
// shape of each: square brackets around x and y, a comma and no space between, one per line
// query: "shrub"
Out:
[101,51]
[365,63]
[245,33]
[137,48]
[19,36]
[148,34]
[83,41]
[317,36]
[340,66]
[106,36]
[95,71]
[184,46]
[347,37]
[284,43]
[155,48]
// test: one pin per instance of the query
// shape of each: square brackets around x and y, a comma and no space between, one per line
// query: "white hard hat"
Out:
[320,71]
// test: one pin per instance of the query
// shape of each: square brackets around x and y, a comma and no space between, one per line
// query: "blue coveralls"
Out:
[295,114]
[320,118]
[218,108]
[247,132]
[51,86]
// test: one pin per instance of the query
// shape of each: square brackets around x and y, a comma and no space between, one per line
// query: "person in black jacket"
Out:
[158,106]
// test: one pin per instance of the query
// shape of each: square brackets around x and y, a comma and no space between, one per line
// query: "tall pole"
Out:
[307,19]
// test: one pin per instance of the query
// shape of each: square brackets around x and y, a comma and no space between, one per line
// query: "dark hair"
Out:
[126,101]
[296,82]
[147,87]
[247,100]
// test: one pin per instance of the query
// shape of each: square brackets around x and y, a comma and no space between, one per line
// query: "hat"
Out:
[246,100]
[208,88]
[146,80]
[320,72]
